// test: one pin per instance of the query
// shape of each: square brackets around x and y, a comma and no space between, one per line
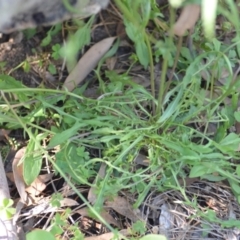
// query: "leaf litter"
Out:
[171,213]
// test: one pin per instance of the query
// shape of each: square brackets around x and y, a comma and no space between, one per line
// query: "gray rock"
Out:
[22,14]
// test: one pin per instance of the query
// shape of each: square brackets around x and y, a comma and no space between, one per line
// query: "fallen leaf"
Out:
[18,174]
[111,62]
[101,173]
[121,30]
[68,202]
[43,206]
[104,214]
[10,176]
[107,236]
[123,207]
[36,187]
[4,134]
[187,20]
[45,177]
[237,126]
[141,160]
[211,96]
[87,63]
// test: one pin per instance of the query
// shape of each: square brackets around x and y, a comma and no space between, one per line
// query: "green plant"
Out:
[56,198]
[171,129]
[6,209]
[56,48]
[52,32]
[39,234]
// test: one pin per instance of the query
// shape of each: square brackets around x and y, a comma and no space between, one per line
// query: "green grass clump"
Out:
[172,129]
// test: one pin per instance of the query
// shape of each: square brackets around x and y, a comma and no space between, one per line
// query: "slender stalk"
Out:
[152,76]
[161,87]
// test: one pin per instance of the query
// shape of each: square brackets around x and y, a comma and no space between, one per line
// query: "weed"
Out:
[6,209]
[172,129]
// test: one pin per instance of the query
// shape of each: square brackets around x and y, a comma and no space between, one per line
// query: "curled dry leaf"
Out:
[43,207]
[68,202]
[123,207]
[101,173]
[45,177]
[38,185]
[18,174]
[211,96]
[111,62]
[121,31]
[87,63]
[141,160]
[10,176]
[187,20]
[107,236]
[35,188]
[104,214]
[237,126]
[4,134]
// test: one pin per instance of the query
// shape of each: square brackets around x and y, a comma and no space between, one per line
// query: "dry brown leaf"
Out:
[141,80]
[104,214]
[111,62]
[222,77]
[10,176]
[187,20]
[67,191]
[121,31]
[4,134]
[68,202]
[237,126]
[36,187]
[216,94]
[87,63]
[45,177]
[141,160]
[107,236]
[18,174]
[123,207]
[101,173]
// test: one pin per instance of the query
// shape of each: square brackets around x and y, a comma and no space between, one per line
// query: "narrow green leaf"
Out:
[235,187]
[39,235]
[32,166]
[198,171]
[172,108]
[237,116]
[32,162]
[231,141]
[142,53]
[62,137]
[238,170]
